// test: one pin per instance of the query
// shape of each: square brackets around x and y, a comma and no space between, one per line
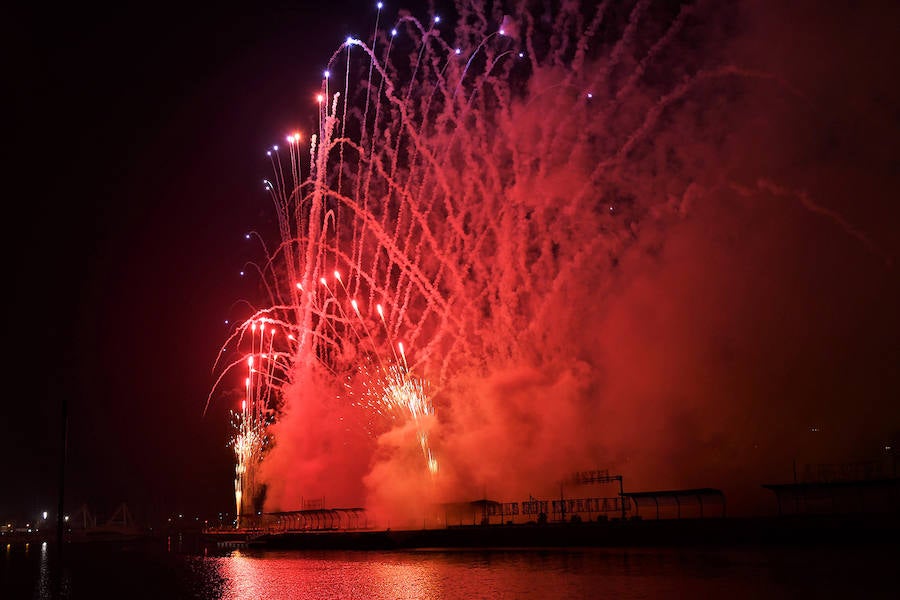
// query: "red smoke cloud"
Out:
[690,275]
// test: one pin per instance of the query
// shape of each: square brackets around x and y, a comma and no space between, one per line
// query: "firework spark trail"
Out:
[251,439]
[459,194]
[432,300]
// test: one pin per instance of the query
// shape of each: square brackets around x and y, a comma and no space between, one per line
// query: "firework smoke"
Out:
[508,252]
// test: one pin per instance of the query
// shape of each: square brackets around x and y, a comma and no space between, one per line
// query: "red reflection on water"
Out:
[247,576]
[407,579]
[283,576]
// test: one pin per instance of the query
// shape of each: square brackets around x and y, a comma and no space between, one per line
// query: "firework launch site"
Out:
[833,511]
[712,532]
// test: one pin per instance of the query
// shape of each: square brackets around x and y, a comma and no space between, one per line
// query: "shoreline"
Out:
[713,532]
[717,532]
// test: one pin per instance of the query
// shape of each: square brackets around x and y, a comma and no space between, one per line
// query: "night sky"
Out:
[134,169]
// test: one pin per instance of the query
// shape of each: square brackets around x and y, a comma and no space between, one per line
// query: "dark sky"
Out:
[134,171]
[133,168]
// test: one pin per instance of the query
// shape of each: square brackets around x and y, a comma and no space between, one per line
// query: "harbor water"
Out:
[180,568]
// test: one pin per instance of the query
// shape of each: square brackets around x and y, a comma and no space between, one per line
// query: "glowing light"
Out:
[409,215]
[403,396]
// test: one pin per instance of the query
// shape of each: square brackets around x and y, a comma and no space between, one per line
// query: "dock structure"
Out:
[840,497]
[688,498]
[310,519]
[864,487]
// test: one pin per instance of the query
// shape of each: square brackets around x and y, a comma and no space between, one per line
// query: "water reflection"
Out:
[282,575]
[408,580]
[98,571]
[246,577]
[44,590]
[528,574]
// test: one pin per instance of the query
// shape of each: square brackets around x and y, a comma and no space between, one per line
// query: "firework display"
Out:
[465,198]
[394,228]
